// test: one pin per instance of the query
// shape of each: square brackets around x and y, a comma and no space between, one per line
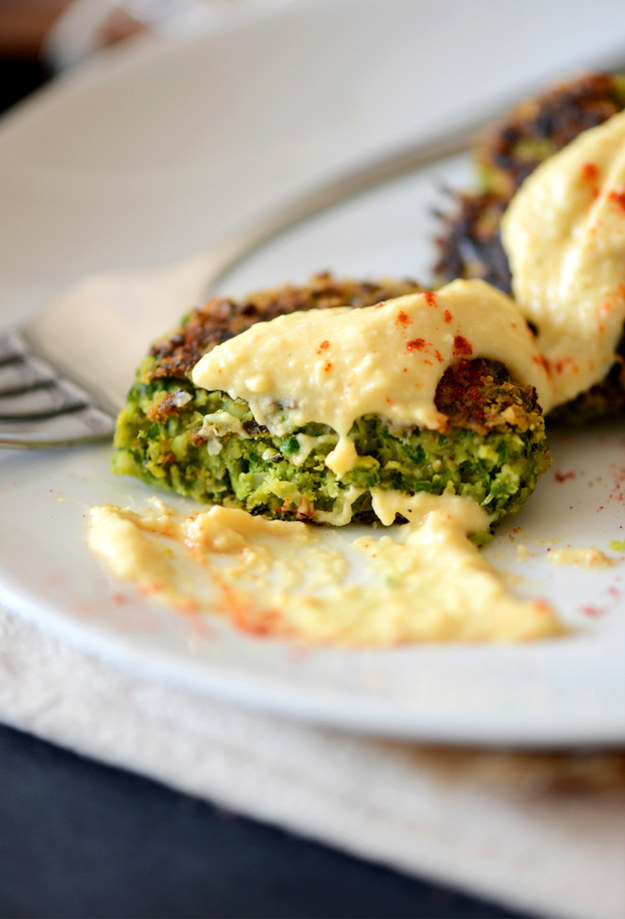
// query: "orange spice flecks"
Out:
[462,347]
[430,298]
[323,346]
[561,365]
[617,196]
[447,316]
[153,587]
[327,366]
[540,608]
[617,490]
[590,175]
[563,476]
[539,605]
[402,319]
[542,361]
[267,622]
[420,344]
[603,310]
[593,611]
[590,172]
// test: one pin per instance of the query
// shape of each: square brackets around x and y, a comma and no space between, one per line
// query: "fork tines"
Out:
[38,407]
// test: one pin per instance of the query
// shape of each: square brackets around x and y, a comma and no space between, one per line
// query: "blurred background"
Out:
[23,27]
[40,38]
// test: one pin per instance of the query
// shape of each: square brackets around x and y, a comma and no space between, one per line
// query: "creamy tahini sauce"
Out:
[333,366]
[424,581]
[564,235]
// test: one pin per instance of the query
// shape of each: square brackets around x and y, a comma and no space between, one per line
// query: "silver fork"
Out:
[43,400]
[40,406]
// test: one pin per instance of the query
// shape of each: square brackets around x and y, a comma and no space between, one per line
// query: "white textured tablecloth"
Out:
[544,833]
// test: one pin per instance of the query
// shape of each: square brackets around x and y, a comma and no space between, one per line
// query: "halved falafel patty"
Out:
[208,444]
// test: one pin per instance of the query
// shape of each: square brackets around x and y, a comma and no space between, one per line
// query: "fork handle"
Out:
[237,247]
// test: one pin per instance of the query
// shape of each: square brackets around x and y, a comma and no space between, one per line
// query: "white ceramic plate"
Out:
[155,152]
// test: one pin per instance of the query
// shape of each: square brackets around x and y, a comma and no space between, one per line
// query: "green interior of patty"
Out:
[286,477]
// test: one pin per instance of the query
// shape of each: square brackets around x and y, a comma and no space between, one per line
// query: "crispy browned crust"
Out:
[512,148]
[479,394]
[222,317]
[469,244]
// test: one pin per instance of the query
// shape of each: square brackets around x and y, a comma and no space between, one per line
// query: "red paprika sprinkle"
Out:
[462,346]
[429,297]
[403,319]
[327,366]
[590,171]
[593,611]
[417,344]
[563,476]
[447,316]
[323,346]
[618,197]
[590,174]
[540,605]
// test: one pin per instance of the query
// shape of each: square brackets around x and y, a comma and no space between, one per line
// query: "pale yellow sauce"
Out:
[334,366]
[586,557]
[564,235]
[424,581]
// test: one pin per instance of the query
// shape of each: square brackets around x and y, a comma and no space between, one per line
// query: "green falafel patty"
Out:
[490,446]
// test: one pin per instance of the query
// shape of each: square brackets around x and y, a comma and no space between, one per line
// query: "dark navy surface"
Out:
[78,839]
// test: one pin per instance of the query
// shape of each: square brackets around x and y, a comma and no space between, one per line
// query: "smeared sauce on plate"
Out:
[423,581]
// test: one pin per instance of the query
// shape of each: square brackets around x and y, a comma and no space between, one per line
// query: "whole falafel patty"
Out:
[469,242]
[491,447]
